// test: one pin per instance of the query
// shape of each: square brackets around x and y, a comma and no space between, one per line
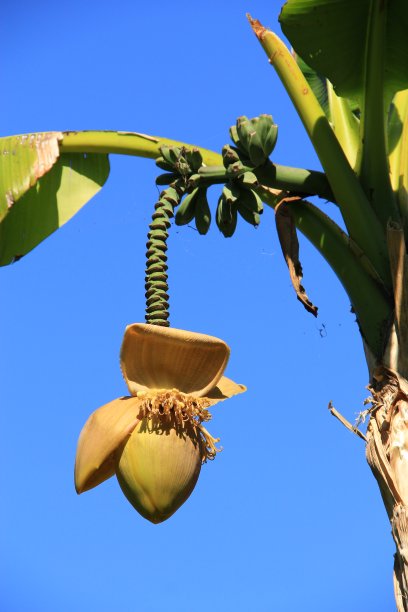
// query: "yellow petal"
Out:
[101,435]
[158,467]
[155,357]
[225,388]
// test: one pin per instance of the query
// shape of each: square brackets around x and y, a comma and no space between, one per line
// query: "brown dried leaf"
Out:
[285,226]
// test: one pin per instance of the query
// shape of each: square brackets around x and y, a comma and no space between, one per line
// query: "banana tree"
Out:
[347,79]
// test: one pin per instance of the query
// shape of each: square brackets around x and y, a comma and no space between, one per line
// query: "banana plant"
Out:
[347,78]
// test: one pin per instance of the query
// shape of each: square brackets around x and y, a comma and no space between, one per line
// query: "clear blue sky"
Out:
[288,517]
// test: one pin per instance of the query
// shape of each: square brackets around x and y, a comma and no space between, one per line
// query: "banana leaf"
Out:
[23,160]
[317,83]
[42,189]
[331,36]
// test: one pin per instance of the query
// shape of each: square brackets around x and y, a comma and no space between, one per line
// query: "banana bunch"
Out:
[177,162]
[255,138]
[238,197]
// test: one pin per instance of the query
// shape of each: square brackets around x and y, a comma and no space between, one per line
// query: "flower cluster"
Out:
[154,440]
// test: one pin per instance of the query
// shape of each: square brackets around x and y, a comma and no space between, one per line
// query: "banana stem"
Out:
[156,279]
[126,143]
[285,178]
[299,180]
[309,182]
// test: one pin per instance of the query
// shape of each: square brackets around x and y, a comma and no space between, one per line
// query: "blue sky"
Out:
[288,516]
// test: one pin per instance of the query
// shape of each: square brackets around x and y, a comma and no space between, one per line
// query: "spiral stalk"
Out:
[156,285]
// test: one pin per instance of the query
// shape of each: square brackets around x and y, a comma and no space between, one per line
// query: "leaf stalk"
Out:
[361,222]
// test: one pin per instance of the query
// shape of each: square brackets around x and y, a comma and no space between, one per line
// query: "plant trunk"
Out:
[387,432]
[387,455]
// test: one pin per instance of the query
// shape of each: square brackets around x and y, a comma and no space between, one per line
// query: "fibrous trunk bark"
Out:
[387,454]
[387,432]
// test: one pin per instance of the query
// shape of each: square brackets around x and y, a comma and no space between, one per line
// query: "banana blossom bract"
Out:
[154,440]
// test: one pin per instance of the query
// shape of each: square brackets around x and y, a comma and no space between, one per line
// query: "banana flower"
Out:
[154,440]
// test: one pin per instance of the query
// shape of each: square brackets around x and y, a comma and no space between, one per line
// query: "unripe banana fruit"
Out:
[186,211]
[202,213]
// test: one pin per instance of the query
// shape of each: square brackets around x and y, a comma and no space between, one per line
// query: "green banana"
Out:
[250,200]
[234,135]
[263,140]
[164,165]
[186,211]
[229,155]
[244,131]
[226,217]
[166,178]
[248,180]
[202,212]
[231,192]
[249,215]
[268,132]
[171,154]
[194,159]
[240,146]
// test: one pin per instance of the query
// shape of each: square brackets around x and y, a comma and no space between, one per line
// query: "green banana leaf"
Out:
[342,114]
[46,178]
[36,212]
[317,83]
[398,152]
[331,36]
[23,160]
[396,118]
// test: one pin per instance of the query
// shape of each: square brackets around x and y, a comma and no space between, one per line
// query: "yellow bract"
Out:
[102,434]
[154,357]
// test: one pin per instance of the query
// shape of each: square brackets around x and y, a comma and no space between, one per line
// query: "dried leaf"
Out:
[285,226]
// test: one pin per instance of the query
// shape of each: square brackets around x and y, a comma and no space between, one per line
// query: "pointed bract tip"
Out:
[256,25]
